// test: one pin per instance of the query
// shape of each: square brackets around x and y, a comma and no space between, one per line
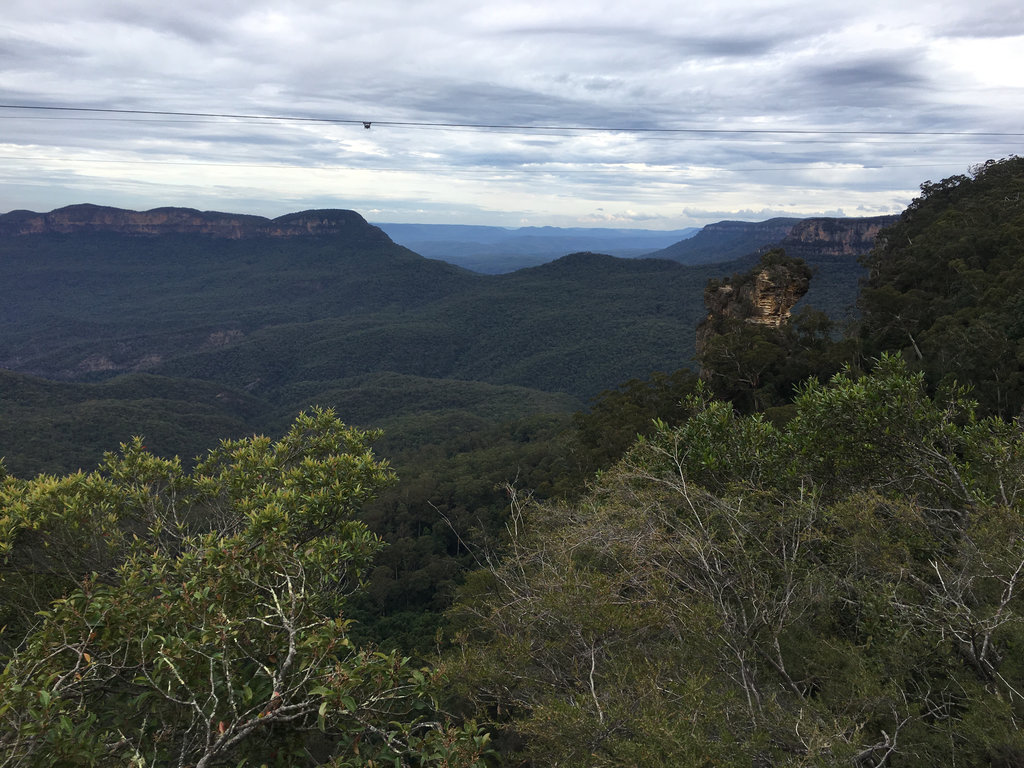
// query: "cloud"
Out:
[838,68]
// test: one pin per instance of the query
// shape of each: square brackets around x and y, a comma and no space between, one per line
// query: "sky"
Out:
[651,114]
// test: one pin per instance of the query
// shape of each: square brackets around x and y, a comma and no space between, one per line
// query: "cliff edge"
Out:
[87,218]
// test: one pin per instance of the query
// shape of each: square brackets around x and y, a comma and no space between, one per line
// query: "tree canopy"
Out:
[156,616]
[946,285]
[845,589]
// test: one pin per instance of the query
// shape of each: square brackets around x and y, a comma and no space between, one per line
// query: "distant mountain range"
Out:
[488,250]
[726,240]
[497,250]
[102,294]
[804,238]
[87,218]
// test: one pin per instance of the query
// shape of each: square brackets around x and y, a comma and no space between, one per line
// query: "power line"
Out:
[509,170]
[981,138]
[508,127]
[963,139]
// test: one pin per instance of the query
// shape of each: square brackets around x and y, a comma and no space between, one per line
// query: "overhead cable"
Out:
[504,126]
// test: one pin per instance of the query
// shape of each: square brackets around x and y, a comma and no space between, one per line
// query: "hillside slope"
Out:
[260,305]
[726,240]
[946,285]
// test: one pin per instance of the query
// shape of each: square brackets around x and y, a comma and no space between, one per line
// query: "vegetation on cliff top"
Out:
[946,285]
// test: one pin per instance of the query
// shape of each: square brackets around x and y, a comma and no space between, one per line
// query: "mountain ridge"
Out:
[500,250]
[717,242]
[809,238]
[725,240]
[90,218]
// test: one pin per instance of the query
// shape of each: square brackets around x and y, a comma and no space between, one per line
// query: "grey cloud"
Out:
[19,53]
[881,72]
[751,214]
[491,103]
[648,66]
[999,19]
[656,44]
[198,22]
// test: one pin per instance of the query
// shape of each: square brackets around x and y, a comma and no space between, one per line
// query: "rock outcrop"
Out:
[764,296]
[75,219]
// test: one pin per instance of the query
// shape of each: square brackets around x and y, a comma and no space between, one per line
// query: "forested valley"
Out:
[787,543]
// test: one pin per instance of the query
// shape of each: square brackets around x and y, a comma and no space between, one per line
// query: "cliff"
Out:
[763,296]
[814,239]
[75,219]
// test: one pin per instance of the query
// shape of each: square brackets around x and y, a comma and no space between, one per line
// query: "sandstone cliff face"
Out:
[808,239]
[774,294]
[811,239]
[162,221]
[765,297]
[766,231]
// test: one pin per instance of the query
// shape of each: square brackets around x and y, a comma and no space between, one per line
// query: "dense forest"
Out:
[805,549]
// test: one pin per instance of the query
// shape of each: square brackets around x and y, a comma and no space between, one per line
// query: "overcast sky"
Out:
[724,109]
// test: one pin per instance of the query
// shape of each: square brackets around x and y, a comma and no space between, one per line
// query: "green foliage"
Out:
[946,282]
[845,589]
[455,442]
[758,366]
[451,501]
[264,314]
[157,616]
[833,580]
[617,416]
[60,427]
[247,333]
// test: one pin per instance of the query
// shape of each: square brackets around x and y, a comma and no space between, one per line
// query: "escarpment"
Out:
[817,238]
[76,219]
